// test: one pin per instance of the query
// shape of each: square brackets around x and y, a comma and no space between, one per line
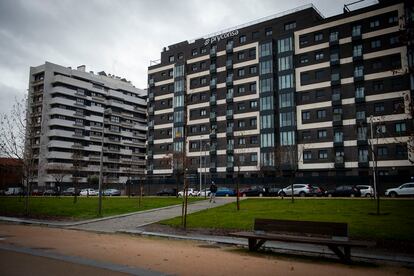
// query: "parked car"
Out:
[224,191]
[69,191]
[345,190]
[14,191]
[88,192]
[317,191]
[406,189]
[49,192]
[366,190]
[112,192]
[191,192]
[272,191]
[204,192]
[298,189]
[167,192]
[253,191]
[37,192]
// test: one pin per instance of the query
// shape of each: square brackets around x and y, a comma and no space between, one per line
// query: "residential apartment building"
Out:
[290,92]
[75,115]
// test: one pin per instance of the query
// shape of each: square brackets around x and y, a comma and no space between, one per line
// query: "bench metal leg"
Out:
[344,256]
[254,245]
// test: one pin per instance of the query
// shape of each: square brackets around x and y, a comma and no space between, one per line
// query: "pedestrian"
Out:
[213,190]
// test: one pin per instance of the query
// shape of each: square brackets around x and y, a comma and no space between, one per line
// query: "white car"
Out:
[191,192]
[406,189]
[204,192]
[88,192]
[366,190]
[298,189]
[14,191]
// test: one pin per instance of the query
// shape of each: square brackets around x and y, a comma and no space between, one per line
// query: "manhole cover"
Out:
[209,246]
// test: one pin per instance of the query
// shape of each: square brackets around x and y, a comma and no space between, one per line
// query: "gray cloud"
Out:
[119,37]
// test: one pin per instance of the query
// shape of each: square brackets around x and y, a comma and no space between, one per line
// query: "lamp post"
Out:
[374,161]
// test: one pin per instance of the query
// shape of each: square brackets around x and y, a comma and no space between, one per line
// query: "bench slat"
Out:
[302,228]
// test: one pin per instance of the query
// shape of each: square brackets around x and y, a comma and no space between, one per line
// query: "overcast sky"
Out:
[119,36]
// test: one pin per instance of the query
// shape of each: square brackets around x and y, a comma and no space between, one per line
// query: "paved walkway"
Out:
[133,222]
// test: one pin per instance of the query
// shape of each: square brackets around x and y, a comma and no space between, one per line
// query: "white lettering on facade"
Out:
[217,38]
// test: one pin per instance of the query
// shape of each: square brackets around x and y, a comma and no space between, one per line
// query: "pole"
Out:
[201,147]
[373,161]
[101,168]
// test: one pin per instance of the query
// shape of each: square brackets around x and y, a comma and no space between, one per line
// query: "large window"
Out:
[265,67]
[266,121]
[178,71]
[178,132]
[287,119]
[265,49]
[286,100]
[267,140]
[266,85]
[179,117]
[285,63]
[179,86]
[287,138]
[179,101]
[286,81]
[284,45]
[266,103]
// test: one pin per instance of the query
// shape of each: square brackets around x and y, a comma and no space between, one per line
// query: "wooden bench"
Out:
[332,234]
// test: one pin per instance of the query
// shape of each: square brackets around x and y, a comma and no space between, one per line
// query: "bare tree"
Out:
[18,141]
[58,172]
[77,163]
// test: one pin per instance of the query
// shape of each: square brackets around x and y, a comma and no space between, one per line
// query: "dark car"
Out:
[253,191]
[49,192]
[167,192]
[224,191]
[317,191]
[346,191]
[69,191]
[272,191]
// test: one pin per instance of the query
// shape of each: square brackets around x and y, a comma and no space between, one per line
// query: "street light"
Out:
[106,111]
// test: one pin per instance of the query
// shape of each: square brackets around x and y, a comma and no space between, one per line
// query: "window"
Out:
[359,92]
[361,133]
[322,134]
[303,40]
[393,19]
[253,122]
[203,65]
[381,129]
[305,96]
[285,81]
[179,101]
[362,155]
[193,129]
[242,124]
[290,26]
[267,140]
[266,103]
[240,73]
[287,138]
[253,157]
[357,51]
[240,56]
[334,36]
[180,56]
[80,101]
[377,65]
[266,121]
[171,58]
[287,119]
[335,76]
[334,57]
[252,87]
[266,85]
[356,30]
[203,128]
[375,44]
[178,116]
[252,53]
[203,81]
[307,155]
[253,70]
[242,141]
[306,135]
[320,93]
[401,151]
[360,115]
[265,67]
[253,104]
[194,145]
[242,39]
[241,89]
[304,77]
[394,40]
[268,32]
[338,136]
[265,49]
[203,50]
[319,74]
[323,154]
[359,71]
[303,59]
[179,86]
[285,63]
[318,55]
[378,85]
[374,23]
[305,115]
[241,107]
[382,151]
[286,100]
[318,36]
[178,71]
[194,52]
[284,45]
[379,107]
[400,127]
[115,119]
[321,114]
[203,112]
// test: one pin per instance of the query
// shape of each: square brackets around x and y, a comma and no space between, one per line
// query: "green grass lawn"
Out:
[85,208]
[397,225]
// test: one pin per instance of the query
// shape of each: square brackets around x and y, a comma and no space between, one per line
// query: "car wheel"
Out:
[260,195]
[302,194]
[368,195]
[393,194]
[352,195]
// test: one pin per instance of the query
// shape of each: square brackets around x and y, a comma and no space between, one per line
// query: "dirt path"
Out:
[174,257]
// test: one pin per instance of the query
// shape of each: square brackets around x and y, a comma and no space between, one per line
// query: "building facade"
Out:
[295,92]
[69,111]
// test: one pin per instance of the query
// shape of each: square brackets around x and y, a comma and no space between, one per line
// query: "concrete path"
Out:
[133,222]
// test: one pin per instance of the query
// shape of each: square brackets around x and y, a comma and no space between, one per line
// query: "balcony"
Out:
[229,48]
[339,162]
[229,114]
[213,52]
[229,64]
[213,84]
[356,34]
[230,147]
[229,81]
[337,119]
[213,100]
[229,97]
[229,130]
[338,141]
[213,116]
[213,68]
[333,39]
